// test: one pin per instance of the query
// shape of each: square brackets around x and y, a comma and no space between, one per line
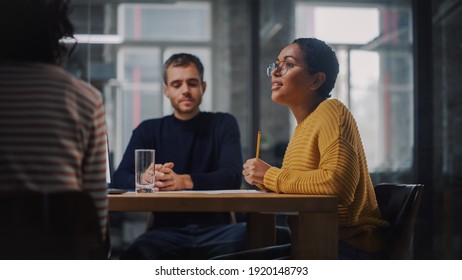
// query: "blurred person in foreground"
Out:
[52,125]
[195,151]
[325,155]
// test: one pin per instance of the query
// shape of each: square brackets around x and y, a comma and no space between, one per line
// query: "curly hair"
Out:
[320,58]
[32,30]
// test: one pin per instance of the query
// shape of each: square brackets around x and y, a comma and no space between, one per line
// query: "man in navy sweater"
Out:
[194,151]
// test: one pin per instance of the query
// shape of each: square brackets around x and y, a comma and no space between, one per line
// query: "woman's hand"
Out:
[254,171]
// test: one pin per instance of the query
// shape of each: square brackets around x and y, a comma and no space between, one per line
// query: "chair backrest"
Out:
[399,204]
[59,225]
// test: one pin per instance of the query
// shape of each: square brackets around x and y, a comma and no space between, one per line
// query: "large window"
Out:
[174,22]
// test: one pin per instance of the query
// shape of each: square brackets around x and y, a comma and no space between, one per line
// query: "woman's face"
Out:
[294,87]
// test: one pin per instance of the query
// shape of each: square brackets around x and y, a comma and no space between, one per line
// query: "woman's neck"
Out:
[303,110]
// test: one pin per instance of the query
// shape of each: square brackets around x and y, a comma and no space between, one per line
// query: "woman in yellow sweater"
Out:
[325,155]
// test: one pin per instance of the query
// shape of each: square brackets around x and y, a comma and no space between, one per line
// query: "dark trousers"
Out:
[189,242]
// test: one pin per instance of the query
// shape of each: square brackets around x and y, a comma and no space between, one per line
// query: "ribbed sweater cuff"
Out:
[271,179]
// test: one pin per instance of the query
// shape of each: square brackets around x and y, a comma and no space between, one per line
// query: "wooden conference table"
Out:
[312,218]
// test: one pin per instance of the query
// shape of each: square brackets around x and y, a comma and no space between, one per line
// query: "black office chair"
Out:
[399,204]
[59,225]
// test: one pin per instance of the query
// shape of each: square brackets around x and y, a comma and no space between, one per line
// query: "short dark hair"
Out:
[320,57]
[32,29]
[183,59]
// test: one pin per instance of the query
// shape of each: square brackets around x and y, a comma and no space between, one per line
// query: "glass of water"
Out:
[144,170]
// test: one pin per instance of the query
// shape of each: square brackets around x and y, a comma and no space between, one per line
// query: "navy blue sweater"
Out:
[207,147]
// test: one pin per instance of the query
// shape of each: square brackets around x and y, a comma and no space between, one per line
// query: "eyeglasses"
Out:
[282,67]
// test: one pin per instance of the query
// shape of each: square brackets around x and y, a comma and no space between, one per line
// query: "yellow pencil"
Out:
[258,144]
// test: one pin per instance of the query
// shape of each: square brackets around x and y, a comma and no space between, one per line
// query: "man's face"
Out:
[184,88]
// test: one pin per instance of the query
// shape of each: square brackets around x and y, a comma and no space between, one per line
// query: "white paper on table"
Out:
[216,191]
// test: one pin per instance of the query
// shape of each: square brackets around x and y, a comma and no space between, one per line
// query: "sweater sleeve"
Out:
[338,174]
[323,157]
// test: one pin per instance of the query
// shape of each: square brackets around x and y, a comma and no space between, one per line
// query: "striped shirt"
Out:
[325,157]
[52,133]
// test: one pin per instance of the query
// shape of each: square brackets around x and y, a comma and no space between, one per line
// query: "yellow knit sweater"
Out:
[326,157]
